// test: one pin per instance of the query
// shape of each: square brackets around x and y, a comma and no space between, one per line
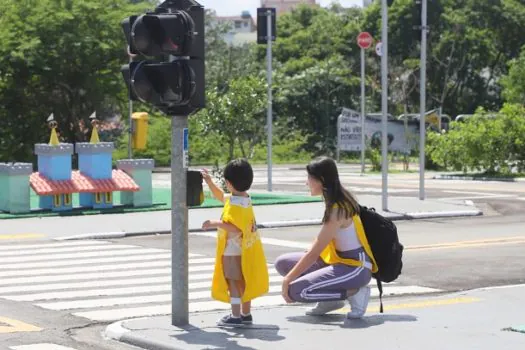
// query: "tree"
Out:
[514,83]
[60,57]
[237,115]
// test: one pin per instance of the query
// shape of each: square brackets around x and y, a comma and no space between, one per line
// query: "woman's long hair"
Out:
[325,170]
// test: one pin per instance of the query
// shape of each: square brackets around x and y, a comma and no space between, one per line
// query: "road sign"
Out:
[262,25]
[185,147]
[364,40]
[379,49]
[349,130]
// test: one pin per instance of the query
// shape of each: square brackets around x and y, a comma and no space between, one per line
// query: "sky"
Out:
[235,7]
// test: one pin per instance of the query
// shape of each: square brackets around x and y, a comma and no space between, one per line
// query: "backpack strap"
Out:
[380,288]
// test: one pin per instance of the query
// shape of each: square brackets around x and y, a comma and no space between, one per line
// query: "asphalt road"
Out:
[446,254]
[443,254]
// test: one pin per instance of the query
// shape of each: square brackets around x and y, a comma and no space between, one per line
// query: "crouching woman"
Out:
[339,264]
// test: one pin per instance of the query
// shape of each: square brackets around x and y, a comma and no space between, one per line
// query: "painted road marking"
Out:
[41,346]
[51,245]
[264,240]
[21,236]
[419,304]
[15,326]
[136,283]
[468,244]
[96,268]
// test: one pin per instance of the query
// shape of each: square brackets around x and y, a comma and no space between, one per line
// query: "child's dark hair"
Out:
[240,174]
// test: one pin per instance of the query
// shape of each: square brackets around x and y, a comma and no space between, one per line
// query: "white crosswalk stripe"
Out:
[41,346]
[104,281]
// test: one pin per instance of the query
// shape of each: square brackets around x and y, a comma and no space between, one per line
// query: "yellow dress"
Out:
[329,254]
[239,212]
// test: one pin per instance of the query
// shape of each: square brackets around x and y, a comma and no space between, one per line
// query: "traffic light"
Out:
[168,69]
[194,191]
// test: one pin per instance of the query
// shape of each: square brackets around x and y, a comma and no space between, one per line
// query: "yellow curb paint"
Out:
[419,304]
[22,236]
[14,326]
[467,244]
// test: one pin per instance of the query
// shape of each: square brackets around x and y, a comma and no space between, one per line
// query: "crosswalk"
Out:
[104,281]
[41,346]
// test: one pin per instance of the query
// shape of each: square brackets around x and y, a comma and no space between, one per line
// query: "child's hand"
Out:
[206,225]
[206,176]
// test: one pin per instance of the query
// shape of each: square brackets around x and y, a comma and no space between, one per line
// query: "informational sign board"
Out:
[401,138]
[349,130]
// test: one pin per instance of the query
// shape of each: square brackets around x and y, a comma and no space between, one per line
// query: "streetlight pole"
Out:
[422,99]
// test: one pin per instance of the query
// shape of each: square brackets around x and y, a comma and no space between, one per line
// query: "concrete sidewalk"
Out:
[119,225]
[478,319]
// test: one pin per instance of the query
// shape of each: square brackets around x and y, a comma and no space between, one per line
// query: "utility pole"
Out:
[422,99]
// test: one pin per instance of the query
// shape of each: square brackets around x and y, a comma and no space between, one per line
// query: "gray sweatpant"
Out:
[322,282]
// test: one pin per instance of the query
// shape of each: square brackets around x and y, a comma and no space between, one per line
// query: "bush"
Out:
[492,144]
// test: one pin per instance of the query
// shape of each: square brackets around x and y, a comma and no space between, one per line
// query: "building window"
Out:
[238,24]
[56,200]
[98,198]
[67,199]
[109,197]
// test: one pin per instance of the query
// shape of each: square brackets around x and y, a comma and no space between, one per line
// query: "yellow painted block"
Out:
[419,304]
[22,236]
[15,326]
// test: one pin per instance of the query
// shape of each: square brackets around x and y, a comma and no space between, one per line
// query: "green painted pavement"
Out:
[161,201]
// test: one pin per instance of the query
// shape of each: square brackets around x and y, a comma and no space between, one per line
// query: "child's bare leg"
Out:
[246,306]
[235,298]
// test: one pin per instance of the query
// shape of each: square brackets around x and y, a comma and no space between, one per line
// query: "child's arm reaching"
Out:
[214,224]
[216,191]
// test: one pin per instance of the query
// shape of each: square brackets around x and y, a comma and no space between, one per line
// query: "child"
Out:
[241,272]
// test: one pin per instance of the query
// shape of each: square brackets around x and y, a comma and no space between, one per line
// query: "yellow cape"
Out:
[329,254]
[254,267]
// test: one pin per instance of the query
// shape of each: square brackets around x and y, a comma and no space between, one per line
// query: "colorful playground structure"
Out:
[95,181]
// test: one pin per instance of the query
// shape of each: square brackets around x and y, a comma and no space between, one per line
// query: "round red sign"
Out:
[364,40]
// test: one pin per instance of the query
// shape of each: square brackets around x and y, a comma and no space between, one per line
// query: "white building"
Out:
[367,3]
[239,24]
[283,6]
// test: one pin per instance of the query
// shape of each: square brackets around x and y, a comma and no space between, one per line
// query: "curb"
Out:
[472,178]
[276,224]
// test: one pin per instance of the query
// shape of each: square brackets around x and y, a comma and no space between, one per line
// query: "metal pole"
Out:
[179,225]
[422,99]
[269,116]
[130,129]
[363,115]
[338,150]
[384,100]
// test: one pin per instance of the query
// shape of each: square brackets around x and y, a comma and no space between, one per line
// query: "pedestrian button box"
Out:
[140,130]
[194,191]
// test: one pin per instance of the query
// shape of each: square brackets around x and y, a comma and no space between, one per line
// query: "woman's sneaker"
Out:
[324,307]
[230,321]
[359,303]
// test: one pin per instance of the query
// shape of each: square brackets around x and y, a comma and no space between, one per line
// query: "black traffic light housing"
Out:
[170,43]
[194,191]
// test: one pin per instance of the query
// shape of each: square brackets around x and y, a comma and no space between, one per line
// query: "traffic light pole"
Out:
[179,224]
[384,101]
[130,129]
[269,121]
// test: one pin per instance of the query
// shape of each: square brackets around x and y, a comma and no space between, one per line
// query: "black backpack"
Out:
[381,234]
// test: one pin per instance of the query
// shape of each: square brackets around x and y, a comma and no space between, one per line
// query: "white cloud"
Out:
[235,7]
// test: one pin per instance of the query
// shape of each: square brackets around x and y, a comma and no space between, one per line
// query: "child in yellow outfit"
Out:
[241,272]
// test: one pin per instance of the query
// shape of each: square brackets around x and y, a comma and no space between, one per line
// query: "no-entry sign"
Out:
[364,40]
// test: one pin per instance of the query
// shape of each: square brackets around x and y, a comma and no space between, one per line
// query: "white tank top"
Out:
[346,239]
